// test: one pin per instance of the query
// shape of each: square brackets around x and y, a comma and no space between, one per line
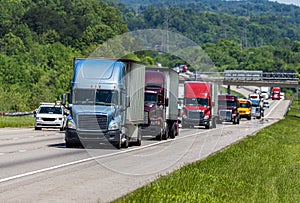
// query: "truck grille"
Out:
[92,122]
[225,114]
[195,114]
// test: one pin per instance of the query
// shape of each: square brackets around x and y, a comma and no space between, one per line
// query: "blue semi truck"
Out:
[105,102]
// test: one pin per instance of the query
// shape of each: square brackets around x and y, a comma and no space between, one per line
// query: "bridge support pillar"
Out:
[297,93]
[228,89]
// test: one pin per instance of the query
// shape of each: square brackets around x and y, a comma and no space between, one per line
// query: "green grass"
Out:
[260,168]
[16,121]
[224,91]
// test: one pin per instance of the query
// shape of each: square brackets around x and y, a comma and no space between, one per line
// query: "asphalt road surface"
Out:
[35,166]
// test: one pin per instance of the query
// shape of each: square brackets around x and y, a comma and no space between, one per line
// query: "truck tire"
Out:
[214,123]
[37,128]
[139,138]
[249,118]
[160,135]
[126,143]
[69,145]
[172,131]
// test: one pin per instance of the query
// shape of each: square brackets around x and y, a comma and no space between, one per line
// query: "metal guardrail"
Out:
[240,75]
[16,114]
[243,75]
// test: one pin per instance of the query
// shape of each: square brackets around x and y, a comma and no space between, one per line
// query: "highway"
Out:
[36,166]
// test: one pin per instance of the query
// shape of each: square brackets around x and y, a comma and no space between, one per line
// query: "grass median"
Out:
[260,168]
[16,121]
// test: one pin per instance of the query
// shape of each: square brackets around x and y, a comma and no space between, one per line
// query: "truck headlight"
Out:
[155,122]
[71,124]
[113,126]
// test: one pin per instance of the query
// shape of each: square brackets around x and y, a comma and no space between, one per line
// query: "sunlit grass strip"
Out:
[16,121]
[261,168]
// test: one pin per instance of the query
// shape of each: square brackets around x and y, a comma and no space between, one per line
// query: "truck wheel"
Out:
[172,131]
[165,135]
[37,128]
[61,129]
[159,136]
[139,138]
[69,145]
[214,123]
[234,121]
[249,118]
[126,143]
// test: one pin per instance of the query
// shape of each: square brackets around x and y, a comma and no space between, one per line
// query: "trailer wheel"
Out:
[160,135]
[139,138]
[69,145]
[214,123]
[172,131]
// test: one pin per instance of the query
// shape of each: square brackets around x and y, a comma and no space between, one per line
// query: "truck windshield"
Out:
[95,97]
[196,102]
[227,103]
[150,98]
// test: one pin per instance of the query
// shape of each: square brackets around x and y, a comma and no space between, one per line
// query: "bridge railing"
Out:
[243,75]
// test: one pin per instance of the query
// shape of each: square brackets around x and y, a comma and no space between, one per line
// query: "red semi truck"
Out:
[160,103]
[275,93]
[199,104]
[228,109]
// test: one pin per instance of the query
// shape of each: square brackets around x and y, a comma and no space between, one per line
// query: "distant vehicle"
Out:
[282,95]
[50,115]
[254,96]
[275,93]
[199,108]
[245,108]
[181,68]
[257,110]
[266,104]
[228,109]
[265,92]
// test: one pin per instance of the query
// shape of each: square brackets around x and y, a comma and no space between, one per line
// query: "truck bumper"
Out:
[151,130]
[75,137]
[190,122]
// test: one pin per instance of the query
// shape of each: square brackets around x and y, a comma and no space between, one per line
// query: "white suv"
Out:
[50,115]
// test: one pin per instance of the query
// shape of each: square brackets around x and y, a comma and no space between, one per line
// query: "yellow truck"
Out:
[244,108]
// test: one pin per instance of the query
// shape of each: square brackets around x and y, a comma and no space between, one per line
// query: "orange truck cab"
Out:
[245,108]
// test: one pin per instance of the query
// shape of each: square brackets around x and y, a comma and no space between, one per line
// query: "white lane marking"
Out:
[98,157]
[273,108]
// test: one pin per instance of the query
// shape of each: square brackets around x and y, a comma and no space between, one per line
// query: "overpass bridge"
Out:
[247,78]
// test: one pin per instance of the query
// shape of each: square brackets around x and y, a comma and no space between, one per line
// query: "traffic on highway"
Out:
[206,123]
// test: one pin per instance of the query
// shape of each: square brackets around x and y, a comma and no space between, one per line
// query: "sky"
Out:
[295,2]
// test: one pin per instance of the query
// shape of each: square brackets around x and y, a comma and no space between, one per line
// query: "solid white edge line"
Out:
[97,157]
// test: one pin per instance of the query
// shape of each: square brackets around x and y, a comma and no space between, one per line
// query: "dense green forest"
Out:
[40,38]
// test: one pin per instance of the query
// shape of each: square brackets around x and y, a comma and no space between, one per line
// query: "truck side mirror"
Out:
[63,99]
[166,101]
[127,101]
